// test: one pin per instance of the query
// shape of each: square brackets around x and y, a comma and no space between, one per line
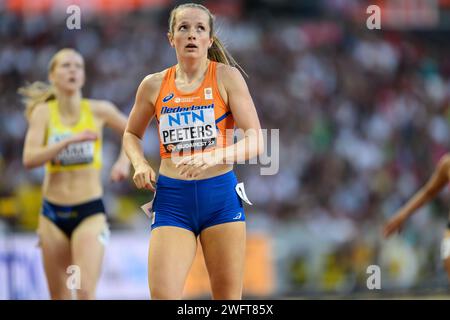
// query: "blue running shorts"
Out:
[197,204]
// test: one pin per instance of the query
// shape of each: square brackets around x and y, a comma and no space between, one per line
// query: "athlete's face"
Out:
[68,72]
[191,33]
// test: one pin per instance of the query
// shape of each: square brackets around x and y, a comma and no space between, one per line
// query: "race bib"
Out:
[74,153]
[188,130]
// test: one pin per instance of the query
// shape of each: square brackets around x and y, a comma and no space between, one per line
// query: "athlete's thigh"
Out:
[171,253]
[56,256]
[88,246]
[224,251]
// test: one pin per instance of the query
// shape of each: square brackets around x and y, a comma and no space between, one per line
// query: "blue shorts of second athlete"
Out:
[197,204]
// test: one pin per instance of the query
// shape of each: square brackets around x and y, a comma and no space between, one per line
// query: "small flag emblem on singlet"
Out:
[208,94]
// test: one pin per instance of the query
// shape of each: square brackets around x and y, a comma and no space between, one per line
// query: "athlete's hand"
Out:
[144,177]
[395,224]
[86,135]
[193,165]
[120,170]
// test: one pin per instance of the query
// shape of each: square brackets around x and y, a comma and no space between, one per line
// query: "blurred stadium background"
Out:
[363,118]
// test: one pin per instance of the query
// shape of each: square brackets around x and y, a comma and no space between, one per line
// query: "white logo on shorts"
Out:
[238,216]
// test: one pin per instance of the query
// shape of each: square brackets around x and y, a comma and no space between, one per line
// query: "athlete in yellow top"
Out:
[65,134]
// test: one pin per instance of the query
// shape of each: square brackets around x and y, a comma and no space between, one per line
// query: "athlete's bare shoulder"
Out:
[151,85]
[40,113]
[101,108]
[444,162]
[446,158]
[443,166]
[225,71]
[153,81]
[228,76]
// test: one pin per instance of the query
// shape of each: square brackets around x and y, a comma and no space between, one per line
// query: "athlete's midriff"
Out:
[72,187]
[168,169]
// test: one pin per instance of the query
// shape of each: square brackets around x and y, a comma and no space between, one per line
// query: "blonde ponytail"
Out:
[218,52]
[34,94]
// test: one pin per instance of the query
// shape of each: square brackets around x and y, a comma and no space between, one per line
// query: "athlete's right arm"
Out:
[35,152]
[434,185]
[142,112]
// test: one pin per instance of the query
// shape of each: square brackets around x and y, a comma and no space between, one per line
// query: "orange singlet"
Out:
[195,121]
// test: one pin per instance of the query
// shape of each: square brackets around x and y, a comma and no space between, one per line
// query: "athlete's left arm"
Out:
[115,119]
[245,117]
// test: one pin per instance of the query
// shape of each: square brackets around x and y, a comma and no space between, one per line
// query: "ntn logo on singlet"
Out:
[186,117]
[187,127]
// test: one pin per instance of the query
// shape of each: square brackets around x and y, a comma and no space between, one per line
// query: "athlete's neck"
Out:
[191,71]
[69,104]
